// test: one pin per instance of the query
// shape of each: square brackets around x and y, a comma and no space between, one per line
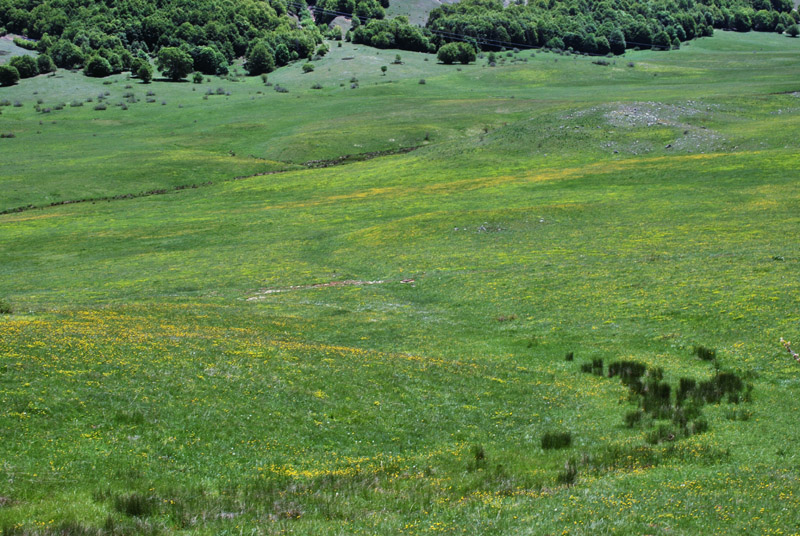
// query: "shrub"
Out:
[569,356]
[478,460]
[570,473]
[686,389]
[662,433]
[145,73]
[25,65]
[633,418]
[656,399]
[706,354]
[134,505]
[556,440]
[456,52]
[724,383]
[316,86]
[259,60]
[628,371]
[422,81]
[308,67]
[100,107]
[66,54]
[595,367]
[698,426]
[281,89]
[45,64]
[9,75]
[197,78]
[209,60]
[793,30]
[97,67]
[5,307]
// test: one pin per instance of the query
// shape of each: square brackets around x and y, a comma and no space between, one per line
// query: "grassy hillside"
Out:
[416,10]
[379,347]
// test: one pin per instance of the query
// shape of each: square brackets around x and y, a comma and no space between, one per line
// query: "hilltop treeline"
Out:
[606,26]
[211,33]
[72,32]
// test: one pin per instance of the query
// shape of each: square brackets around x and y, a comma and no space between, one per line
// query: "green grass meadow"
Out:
[221,339]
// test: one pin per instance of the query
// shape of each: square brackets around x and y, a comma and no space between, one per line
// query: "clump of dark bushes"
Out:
[706,354]
[595,367]
[134,505]
[656,402]
[556,440]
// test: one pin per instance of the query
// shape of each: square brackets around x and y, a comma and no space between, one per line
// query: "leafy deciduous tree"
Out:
[174,63]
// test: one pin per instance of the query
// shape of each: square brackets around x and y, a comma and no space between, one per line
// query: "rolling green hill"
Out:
[221,338]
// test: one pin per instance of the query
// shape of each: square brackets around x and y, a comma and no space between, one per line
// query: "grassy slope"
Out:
[416,10]
[8,49]
[546,216]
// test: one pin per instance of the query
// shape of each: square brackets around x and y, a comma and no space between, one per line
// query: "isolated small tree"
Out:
[448,53]
[145,72]
[282,55]
[135,64]
[456,52]
[616,40]
[259,60]
[174,63]
[26,65]
[97,67]
[384,68]
[45,64]
[209,60]
[8,75]
[466,53]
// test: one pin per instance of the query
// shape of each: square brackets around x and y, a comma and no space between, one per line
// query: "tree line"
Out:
[608,26]
[205,36]
[108,36]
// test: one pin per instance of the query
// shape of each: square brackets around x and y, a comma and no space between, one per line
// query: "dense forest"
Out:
[206,35]
[211,32]
[607,26]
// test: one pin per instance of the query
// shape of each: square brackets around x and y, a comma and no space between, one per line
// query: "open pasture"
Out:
[379,347]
